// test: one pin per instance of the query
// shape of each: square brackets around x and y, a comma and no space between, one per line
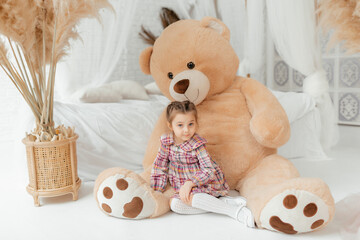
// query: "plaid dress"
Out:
[187,161]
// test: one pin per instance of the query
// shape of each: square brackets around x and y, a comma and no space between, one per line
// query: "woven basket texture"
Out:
[52,163]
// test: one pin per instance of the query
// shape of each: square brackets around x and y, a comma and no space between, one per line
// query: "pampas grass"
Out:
[344,17]
[36,35]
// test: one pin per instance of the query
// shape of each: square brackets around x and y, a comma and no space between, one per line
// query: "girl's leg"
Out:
[176,205]
[212,204]
[238,200]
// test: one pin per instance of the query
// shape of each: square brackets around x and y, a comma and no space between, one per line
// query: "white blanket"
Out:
[110,134]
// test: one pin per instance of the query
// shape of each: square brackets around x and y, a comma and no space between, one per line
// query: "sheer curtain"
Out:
[198,9]
[94,57]
[232,13]
[293,29]
[110,50]
[254,43]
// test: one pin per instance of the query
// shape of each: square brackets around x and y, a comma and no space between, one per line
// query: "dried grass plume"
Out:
[167,17]
[38,34]
[344,17]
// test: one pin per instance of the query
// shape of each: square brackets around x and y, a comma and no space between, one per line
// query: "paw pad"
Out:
[122,184]
[317,224]
[294,211]
[133,208]
[310,210]
[123,197]
[108,193]
[106,208]
[290,201]
[279,225]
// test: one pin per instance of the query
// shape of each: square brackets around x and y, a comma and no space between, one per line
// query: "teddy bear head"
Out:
[192,60]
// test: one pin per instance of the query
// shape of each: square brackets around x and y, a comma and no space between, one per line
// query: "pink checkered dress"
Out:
[187,161]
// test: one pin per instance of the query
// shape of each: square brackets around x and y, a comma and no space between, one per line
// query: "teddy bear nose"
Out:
[181,86]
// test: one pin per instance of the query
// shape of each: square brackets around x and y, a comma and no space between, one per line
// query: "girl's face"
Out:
[183,126]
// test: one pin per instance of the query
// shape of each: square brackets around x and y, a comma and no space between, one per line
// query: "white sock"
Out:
[181,208]
[238,200]
[212,204]
[246,217]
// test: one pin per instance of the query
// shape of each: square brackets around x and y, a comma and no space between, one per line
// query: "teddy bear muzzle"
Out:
[192,85]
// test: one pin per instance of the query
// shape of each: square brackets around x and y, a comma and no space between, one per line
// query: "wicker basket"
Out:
[52,168]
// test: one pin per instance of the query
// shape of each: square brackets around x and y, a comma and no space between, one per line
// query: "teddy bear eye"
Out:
[170,75]
[191,65]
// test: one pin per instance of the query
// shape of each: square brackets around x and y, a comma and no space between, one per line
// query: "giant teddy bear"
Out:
[243,123]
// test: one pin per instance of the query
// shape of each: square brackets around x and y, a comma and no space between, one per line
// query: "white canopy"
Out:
[110,50]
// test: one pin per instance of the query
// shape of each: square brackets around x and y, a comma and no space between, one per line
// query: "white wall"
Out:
[10,100]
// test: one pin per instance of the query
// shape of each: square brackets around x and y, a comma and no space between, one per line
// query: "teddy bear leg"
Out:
[162,199]
[124,194]
[282,201]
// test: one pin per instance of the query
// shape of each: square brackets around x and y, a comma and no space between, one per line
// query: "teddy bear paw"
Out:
[294,211]
[124,197]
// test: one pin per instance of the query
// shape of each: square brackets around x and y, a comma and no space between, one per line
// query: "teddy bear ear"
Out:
[217,25]
[145,60]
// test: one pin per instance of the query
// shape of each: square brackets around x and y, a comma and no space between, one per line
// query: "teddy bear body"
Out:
[224,120]
[243,123]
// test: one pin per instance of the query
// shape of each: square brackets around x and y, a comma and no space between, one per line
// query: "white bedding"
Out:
[304,140]
[116,134]
[111,134]
[305,125]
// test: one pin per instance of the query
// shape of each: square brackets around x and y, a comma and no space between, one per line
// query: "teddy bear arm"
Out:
[269,124]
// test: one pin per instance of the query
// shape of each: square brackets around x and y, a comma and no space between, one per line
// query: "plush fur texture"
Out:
[242,121]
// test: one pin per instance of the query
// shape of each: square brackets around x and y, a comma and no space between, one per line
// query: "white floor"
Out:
[62,218]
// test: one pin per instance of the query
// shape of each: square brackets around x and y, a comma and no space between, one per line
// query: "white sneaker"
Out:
[237,201]
[245,216]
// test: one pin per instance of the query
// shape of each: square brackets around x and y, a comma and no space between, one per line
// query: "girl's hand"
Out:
[185,190]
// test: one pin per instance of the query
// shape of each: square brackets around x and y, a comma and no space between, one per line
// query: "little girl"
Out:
[197,179]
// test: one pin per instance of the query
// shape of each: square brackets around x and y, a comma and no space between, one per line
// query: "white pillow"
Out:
[152,88]
[129,89]
[296,105]
[112,92]
[96,95]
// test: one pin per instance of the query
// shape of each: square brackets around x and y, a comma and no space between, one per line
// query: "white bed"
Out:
[116,134]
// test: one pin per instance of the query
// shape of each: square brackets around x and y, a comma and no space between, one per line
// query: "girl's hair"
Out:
[180,107]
